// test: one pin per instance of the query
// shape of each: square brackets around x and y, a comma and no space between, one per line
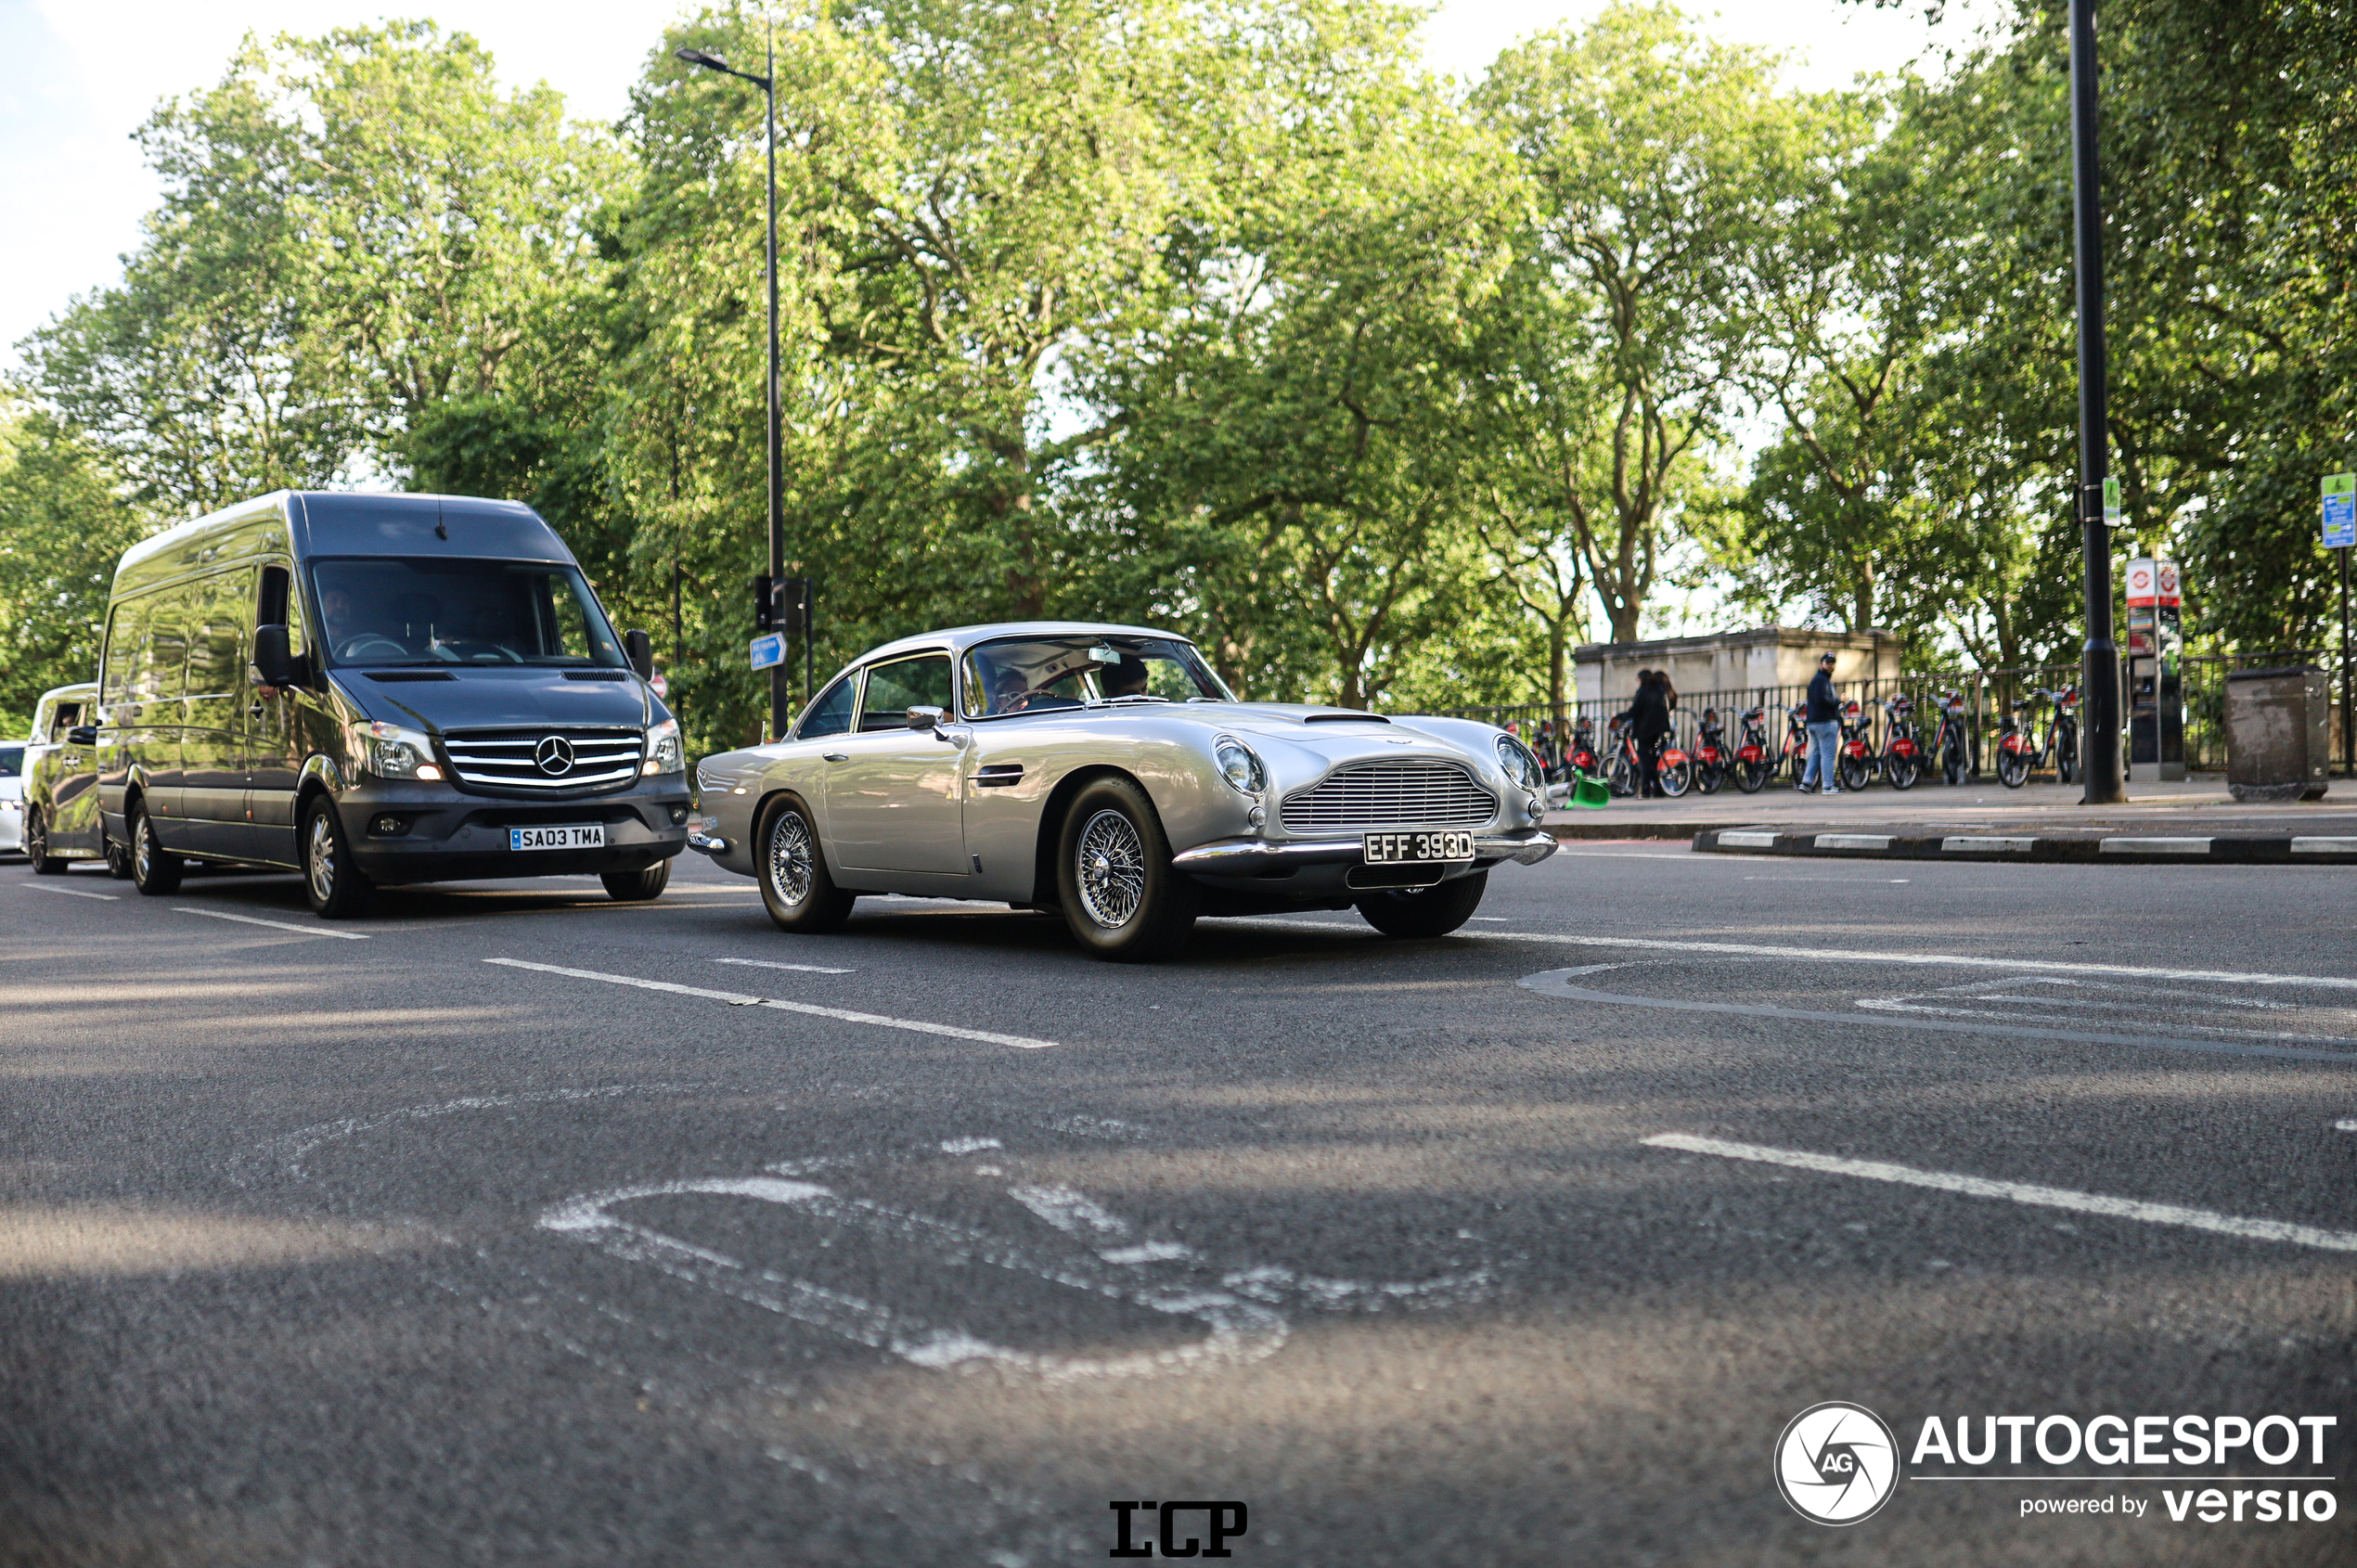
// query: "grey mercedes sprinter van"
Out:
[380,689]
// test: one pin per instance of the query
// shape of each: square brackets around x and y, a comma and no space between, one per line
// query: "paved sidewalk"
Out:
[2198,807]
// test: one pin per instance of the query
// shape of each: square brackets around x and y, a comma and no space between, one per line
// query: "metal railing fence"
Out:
[1989,695]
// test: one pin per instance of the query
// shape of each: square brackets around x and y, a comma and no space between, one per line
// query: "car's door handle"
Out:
[837,756]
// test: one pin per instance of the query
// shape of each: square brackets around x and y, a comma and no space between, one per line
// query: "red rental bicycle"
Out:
[1951,746]
[1795,752]
[1752,764]
[1855,752]
[1902,757]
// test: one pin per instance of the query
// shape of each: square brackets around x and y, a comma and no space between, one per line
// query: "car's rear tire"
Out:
[336,888]
[1121,896]
[154,869]
[1422,912]
[36,846]
[637,887]
[791,867]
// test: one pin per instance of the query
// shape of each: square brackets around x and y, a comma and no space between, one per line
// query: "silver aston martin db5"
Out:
[1105,772]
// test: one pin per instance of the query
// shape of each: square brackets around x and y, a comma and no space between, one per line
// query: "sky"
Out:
[81,77]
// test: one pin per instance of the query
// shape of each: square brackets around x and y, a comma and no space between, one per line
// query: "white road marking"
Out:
[2311,845]
[1966,844]
[1853,840]
[770,964]
[1749,840]
[737,999]
[969,1145]
[1857,956]
[70,891]
[2019,1192]
[2154,846]
[280,925]
[2346,1125]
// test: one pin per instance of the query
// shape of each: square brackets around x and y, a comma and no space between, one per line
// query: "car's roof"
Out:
[957,639]
[80,689]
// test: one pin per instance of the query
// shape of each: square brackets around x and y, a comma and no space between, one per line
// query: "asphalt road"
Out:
[517,1226]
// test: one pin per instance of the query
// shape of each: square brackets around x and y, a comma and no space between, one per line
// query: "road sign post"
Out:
[2341,533]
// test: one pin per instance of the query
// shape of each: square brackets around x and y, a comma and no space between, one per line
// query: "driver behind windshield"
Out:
[1127,678]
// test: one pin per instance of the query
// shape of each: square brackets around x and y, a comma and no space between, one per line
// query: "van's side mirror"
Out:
[640,648]
[272,665]
[83,735]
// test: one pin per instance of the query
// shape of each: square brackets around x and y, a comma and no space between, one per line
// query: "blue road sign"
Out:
[769,650]
[2341,511]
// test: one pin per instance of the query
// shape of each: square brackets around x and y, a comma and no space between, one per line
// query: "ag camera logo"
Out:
[1837,1463]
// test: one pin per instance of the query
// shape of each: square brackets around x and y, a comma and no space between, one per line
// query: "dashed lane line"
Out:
[1558,982]
[1857,956]
[737,999]
[2018,1192]
[772,964]
[280,925]
[69,891]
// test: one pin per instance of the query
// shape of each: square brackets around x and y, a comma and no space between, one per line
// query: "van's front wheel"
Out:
[336,889]
[637,887]
[154,869]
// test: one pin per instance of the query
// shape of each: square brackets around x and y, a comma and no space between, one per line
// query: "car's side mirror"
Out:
[926,719]
[640,648]
[272,665]
[83,735]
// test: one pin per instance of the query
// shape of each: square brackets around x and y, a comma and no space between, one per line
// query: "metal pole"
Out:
[2100,662]
[2348,730]
[780,705]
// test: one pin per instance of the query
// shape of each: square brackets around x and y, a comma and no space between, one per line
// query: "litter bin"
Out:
[2278,735]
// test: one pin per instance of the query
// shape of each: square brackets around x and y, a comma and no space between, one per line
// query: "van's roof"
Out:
[327,522]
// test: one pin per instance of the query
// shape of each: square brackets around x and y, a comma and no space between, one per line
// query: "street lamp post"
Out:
[781,709]
[2099,671]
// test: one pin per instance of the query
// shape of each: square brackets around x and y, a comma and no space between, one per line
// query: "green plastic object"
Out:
[1593,794]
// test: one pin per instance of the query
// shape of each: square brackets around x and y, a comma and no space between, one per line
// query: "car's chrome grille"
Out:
[1388,794]
[524,758]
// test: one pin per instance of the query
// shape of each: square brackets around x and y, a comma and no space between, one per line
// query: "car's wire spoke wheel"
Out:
[319,858]
[790,858]
[1109,864]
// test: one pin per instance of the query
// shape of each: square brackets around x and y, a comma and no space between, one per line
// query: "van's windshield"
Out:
[391,610]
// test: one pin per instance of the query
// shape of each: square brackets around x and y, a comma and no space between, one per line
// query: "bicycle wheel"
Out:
[2013,769]
[1902,770]
[1676,778]
[1709,777]
[1751,776]
[2066,755]
[1623,778]
[1953,765]
[1851,771]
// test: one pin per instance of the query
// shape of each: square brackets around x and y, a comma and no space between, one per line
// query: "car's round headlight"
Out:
[1520,765]
[1240,767]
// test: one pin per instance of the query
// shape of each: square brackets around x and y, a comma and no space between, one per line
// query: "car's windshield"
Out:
[401,610]
[1031,675]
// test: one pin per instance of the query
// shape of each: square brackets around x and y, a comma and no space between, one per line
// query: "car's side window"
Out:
[68,716]
[215,639]
[833,714]
[894,689]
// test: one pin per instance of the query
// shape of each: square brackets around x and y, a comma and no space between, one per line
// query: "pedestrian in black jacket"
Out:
[1648,718]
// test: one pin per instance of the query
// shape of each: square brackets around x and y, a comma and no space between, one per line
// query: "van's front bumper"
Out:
[402,832]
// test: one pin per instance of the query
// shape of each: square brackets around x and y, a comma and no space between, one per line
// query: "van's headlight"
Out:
[390,751]
[1520,765]
[664,754]
[1240,767]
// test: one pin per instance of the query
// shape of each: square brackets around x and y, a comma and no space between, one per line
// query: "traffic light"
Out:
[794,605]
[765,604]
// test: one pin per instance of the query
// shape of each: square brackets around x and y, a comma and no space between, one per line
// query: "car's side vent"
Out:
[392,677]
[997,775]
[1344,718]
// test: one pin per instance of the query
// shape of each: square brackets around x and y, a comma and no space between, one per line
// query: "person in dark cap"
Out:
[1824,730]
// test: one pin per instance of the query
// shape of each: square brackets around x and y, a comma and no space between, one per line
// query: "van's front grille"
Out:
[1401,794]
[544,761]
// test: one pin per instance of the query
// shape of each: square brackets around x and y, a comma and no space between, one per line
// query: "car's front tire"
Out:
[1422,912]
[36,846]
[335,887]
[795,887]
[1121,895]
[637,887]
[154,869]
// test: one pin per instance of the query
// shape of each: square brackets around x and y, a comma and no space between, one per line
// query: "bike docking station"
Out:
[2154,673]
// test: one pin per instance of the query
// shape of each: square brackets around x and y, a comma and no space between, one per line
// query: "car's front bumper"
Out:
[418,833]
[1256,856]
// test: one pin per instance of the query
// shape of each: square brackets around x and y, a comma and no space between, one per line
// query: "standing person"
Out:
[1648,718]
[1824,730]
